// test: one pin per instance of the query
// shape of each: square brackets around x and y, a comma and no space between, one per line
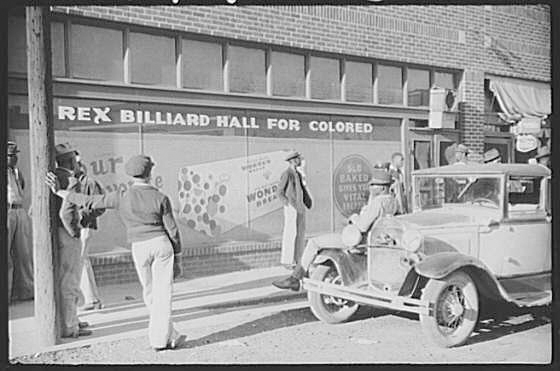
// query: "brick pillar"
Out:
[472,113]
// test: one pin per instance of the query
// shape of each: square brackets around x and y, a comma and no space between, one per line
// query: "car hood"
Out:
[450,216]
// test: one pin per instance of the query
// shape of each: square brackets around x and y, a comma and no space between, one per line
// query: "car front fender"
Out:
[441,264]
[351,267]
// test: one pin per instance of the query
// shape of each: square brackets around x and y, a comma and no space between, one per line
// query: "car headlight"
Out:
[411,240]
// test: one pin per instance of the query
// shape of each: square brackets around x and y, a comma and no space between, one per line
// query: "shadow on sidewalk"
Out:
[276,321]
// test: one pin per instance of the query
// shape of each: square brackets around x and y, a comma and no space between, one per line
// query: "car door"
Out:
[519,245]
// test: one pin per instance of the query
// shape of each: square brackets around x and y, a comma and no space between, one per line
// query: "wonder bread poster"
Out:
[215,197]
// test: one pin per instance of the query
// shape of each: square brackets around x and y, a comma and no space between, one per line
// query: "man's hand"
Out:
[52,181]
[177,268]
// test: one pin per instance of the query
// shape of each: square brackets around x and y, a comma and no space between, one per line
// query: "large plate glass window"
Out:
[96,53]
[152,59]
[359,82]
[418,87]
[288,74]
[202,65]
[390,85]
[58,51]
[247,70]
[325,78]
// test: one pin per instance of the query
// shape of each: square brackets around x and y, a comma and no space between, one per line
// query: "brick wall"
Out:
[196,262]
[503,40]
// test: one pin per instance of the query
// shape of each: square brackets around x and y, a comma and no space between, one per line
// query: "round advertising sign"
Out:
[351,178]
[526,143]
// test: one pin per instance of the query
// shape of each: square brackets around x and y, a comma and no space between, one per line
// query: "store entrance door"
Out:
[427,148]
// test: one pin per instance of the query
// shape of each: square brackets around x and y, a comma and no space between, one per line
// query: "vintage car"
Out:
[476,232]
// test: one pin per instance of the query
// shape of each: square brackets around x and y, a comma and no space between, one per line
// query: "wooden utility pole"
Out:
[41,138]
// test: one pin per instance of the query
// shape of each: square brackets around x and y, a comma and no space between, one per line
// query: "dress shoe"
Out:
[173,344]
[291,283]
[75,334]
[91,306]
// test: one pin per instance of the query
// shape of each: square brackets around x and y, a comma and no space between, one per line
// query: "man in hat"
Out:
[543,156]
[69,245]
[380,203]
[293,194]
[88,222]
[20,248]
[397,187]
[492,156]
[461,153]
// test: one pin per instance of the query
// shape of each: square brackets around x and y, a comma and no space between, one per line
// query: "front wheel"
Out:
[454,309]
[328,308]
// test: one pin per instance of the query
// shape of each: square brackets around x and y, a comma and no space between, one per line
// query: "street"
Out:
[247,321]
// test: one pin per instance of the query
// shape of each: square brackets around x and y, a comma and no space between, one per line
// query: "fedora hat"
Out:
[292,154]
[63,150]
[491,155]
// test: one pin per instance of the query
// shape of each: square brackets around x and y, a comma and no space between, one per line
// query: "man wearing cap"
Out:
[461,153]
[154,236]
[69,252]
[492,156]
[380,203]
[543,156]
[20,248]
[295,197]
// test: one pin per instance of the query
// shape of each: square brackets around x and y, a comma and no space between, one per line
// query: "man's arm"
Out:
[170,225]
[368,215]
[281,193]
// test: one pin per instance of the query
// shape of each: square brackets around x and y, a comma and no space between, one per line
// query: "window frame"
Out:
[538,214]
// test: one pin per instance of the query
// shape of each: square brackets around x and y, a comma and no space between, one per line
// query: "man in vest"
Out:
[381,202]
[293,194]
[20,248]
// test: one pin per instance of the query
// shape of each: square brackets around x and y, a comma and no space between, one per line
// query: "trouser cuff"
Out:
[298,272]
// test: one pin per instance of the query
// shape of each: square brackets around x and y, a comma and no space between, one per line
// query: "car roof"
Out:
[512,169]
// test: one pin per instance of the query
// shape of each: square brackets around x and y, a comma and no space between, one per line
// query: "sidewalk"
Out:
[125,316]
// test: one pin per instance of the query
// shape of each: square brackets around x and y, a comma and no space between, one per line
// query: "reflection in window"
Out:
[445,156]
[444,80]
[17,57]
[389,85]
[288,74]
[359,82]
[247,70]
[152,59]
[523,194]
[57,47]
[418,87]
[202,65]
[96,53]
[325,78]
[422,155]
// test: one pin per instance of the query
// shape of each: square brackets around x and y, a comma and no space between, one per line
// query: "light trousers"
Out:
[69,272]
[330,240]
[293,236]
[153,260]
[20,255]
[87,279]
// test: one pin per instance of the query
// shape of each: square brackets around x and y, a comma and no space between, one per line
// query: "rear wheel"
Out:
[454,311]
[328,308]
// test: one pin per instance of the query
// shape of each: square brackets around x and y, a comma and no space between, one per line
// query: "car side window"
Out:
[524,196]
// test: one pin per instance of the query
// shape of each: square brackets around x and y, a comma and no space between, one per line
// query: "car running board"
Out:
[528,291]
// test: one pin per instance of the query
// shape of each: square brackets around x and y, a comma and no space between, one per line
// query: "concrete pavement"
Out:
[125,316]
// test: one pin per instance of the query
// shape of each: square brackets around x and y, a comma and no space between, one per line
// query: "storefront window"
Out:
[202,65]
[325,78]
[288,74]
[17,53]
[359,82]
[246,70]
[418,87]
[96,53]
[444,80]
[389,85]
[152,59]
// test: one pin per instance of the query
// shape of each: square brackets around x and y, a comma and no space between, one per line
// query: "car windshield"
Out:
[437,191]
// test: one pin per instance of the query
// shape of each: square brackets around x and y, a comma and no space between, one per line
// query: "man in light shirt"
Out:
[20,248]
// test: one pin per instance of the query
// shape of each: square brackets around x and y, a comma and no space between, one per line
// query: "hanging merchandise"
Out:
[526,143]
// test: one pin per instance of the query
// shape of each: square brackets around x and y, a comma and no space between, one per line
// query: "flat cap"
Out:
[380,177]
[491,155]
[292,154]
[462,148]
[12,148]
[139,165]
[543,152]
[63,150]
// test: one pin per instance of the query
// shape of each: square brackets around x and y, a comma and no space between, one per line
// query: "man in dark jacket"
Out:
[295,197]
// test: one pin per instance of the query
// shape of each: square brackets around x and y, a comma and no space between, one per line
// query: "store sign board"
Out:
[351,179]
[526,143]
